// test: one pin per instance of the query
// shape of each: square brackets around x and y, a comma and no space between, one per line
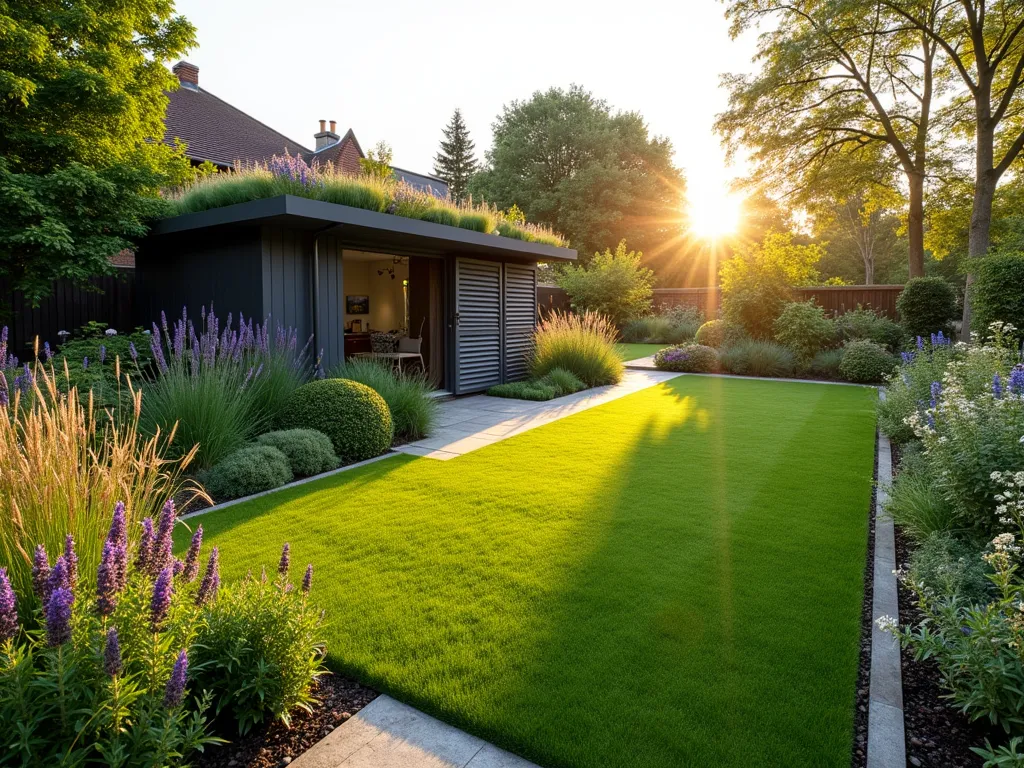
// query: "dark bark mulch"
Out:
[272,744]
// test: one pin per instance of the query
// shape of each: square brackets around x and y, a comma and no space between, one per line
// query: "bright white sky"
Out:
[396,70]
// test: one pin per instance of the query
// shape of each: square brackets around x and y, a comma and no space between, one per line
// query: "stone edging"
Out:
[887,747]
[294,483]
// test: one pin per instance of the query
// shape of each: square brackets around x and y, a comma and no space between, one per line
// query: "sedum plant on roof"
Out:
[291,175]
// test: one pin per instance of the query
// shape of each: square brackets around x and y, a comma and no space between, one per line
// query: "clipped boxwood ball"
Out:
[353,416]
[248,470]
[719,333]
[865,362]
[309,452]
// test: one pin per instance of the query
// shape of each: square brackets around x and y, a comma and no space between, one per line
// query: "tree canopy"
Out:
[82,102]
[594,175]
[456,162]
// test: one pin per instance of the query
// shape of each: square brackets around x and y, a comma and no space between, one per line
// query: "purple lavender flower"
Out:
[163,545]
[103,353]
[58,617]
[1017,379]
[157,348]
[85,363]
[108,582]
[307,579]
[908,357]
[118,533]
[71,561]
[176,684]
[145,552]
[936,391]
[286,560]
[211,581]
[133,352]
[112,654]
[997,386]
[47,352]
[8,608]
[192,556]
[40,574]
[59,578]
[161,601]
[178,566]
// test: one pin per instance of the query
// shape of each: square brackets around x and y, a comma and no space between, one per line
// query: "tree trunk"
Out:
[869,270]
[979,237]
[915,224]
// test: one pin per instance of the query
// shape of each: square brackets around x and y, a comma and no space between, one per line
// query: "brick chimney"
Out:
[188,74]
[325,138]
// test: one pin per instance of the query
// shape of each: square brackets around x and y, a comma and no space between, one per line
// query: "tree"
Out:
[377,163]
[81,127]
[861,232]
[595,176]
[838,79]
[456,163]
[983,44]
[615,284]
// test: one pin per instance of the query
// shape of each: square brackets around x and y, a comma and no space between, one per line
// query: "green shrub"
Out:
[309,452]
[687,358]
[826,363]
[803,328]
[910,386]
[927,305]
[616,285]
[524,390]
[866,362]
[863,323]
[673,326]
[565,382]
[352,415]
[719,333]
[408,395]
[584,345]
[949,566]
[916,503]
[249,470]
[997,294]
[92,356]
[758,358]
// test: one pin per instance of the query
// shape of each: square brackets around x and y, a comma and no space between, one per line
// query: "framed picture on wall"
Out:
[357,305]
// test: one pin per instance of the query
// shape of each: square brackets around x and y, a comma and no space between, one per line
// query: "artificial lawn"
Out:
[673,578]
[635,351]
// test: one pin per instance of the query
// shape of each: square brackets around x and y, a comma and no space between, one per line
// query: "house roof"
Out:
[422,181]
[365,230]
[216,131]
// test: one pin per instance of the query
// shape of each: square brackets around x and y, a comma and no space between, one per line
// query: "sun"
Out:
[714,216]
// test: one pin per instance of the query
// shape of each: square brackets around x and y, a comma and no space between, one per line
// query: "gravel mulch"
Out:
[272,744]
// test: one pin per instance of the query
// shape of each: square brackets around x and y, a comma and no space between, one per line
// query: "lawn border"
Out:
[887,745]
[293,484]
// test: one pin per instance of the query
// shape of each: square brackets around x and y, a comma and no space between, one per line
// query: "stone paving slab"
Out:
[389,734]
[468,423]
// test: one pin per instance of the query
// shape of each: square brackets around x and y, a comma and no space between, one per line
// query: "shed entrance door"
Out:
[520,297]
[478,321]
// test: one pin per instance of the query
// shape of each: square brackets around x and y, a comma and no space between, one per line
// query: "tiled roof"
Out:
[216,131]
[422,181]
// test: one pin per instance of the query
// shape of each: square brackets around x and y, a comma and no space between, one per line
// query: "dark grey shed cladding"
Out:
[478,326]
[520,317]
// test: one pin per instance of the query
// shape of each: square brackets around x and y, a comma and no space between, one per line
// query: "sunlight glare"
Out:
[714,215]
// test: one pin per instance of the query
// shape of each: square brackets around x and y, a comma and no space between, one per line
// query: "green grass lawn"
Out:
[674,578]
[635,351]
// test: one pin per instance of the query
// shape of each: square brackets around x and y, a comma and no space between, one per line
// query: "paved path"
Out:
[468,423]
[389,734]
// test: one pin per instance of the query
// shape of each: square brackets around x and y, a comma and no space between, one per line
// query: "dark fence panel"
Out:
[836,299]
[68,308]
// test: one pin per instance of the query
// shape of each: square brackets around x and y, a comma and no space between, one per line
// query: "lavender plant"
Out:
[124,674]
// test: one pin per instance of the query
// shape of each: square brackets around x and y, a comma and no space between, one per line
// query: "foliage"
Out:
[758,358]
[251,469]
[413,409]
[687,358]
[259,650]
[614,284]
[533,389]
[673,325]
[572,164]
[998,292]
[287,175]
[61,472]
[927,305]
[863,323]
[565,382]
[308,452]
[803,328]
[949,567]
[826,363]
[377,163]
[221,386]
[582,344]
[866,362]
[909,388]
[354,416]
[916,503]
[720,333]
[81,163]
[757,283]
[455,162]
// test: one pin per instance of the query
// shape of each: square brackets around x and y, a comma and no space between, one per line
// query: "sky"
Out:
[396,71]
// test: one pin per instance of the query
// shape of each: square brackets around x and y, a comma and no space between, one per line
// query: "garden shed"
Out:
[349,278]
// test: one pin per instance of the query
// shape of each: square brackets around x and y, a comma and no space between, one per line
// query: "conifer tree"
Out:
[456,163]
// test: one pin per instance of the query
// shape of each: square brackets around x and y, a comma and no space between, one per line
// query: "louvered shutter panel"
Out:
[520,315]
[478,327]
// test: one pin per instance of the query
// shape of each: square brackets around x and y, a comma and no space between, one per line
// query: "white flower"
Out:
[887,624]
[110,332]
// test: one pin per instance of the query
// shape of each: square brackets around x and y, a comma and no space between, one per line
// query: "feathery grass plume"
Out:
[582,344]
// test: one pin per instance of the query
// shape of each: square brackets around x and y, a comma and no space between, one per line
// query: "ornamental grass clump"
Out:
[408,395]
[125,671]
[582,344]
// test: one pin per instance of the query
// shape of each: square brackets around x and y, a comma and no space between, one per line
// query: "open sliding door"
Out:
[520,296]
[478,324]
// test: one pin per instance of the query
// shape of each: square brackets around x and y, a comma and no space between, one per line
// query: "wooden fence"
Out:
[836,299]
[109,299]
